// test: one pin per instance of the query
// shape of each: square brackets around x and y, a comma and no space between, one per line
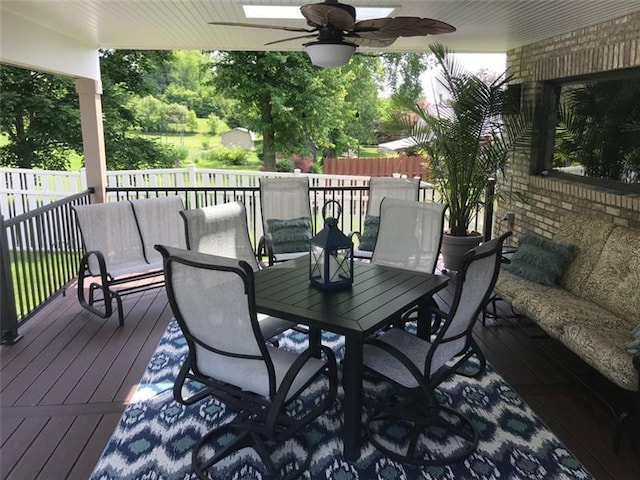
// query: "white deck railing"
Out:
[22,190]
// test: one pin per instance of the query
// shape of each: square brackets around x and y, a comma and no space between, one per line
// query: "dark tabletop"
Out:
[377,295]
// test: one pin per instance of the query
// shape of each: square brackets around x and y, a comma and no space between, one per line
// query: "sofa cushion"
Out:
[540,260]
[588,235]
[604,349]
[553,308]
[509,286]
[614,282]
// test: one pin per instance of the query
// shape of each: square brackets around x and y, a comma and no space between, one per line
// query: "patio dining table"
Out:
[378,296]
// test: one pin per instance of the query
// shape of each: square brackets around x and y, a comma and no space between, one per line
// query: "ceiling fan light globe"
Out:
[330,54]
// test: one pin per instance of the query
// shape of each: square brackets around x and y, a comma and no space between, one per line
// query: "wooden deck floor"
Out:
[65,384]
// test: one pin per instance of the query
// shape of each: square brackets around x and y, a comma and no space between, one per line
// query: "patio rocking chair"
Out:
[380,188]
[415,367]
[286,218]
[119,259]
[213,301]
[222,230]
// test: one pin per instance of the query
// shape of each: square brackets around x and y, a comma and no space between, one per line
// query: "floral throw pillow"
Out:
[540,260]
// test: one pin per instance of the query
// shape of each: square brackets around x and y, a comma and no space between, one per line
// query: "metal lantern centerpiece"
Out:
[331,254]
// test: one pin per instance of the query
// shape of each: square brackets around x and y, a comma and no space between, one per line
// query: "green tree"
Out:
[363,77]
[150,114]
[126,73]
[297,107]
[403,71]
[40,115]
[39,112]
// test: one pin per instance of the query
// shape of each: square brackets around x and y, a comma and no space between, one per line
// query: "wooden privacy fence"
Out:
[376,167]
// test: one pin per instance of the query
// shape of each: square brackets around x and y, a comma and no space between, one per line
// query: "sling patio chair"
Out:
[409,237]
[435,434]
[213,300]
[410,234]
[380,188]
[222,230]
[286,218]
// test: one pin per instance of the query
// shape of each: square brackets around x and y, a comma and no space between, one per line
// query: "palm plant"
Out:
[467,141]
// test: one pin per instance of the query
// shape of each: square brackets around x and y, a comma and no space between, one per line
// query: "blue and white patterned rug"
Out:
[154,438]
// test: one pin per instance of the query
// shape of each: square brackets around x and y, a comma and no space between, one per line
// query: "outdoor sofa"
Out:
[593,306]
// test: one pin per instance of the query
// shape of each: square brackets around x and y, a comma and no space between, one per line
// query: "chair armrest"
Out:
[265,248]
[398,355]
[356,234]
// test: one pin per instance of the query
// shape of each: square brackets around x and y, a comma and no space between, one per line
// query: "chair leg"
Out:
[474,349]
[245,435]
[423,435]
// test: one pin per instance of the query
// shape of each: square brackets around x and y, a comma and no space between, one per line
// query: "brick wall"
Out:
[540,201]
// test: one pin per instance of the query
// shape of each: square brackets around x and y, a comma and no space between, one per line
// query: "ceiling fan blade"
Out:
[290,38]
[364,40]
[324,14]
[403,27]
[259,25]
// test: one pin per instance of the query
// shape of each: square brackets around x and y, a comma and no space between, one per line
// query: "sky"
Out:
[494,62]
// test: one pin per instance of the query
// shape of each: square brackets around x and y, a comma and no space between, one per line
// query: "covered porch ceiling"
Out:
[483,26]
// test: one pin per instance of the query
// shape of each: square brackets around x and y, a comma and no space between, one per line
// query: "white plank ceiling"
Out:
[482,25]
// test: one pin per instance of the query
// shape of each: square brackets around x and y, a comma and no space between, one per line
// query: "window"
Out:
[598,131]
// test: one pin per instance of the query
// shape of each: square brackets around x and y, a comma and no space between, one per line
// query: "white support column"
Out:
[89,92]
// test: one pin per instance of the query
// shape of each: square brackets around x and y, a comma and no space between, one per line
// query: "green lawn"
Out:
[36,275]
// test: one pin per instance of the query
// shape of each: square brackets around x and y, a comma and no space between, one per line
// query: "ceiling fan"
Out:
[337,33]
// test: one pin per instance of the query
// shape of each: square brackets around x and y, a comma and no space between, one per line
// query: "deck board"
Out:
[65,385]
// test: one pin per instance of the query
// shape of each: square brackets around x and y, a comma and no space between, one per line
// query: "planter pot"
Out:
[454,248]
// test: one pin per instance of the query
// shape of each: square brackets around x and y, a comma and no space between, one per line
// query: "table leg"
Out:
[424,322]
[352,383]
[315,336]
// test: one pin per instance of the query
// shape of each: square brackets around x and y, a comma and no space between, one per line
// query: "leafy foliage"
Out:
[297,107]
[234,156]
[403,72]
[39,112]
[285,165]
[467,142]
[600,129]
[134,153]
